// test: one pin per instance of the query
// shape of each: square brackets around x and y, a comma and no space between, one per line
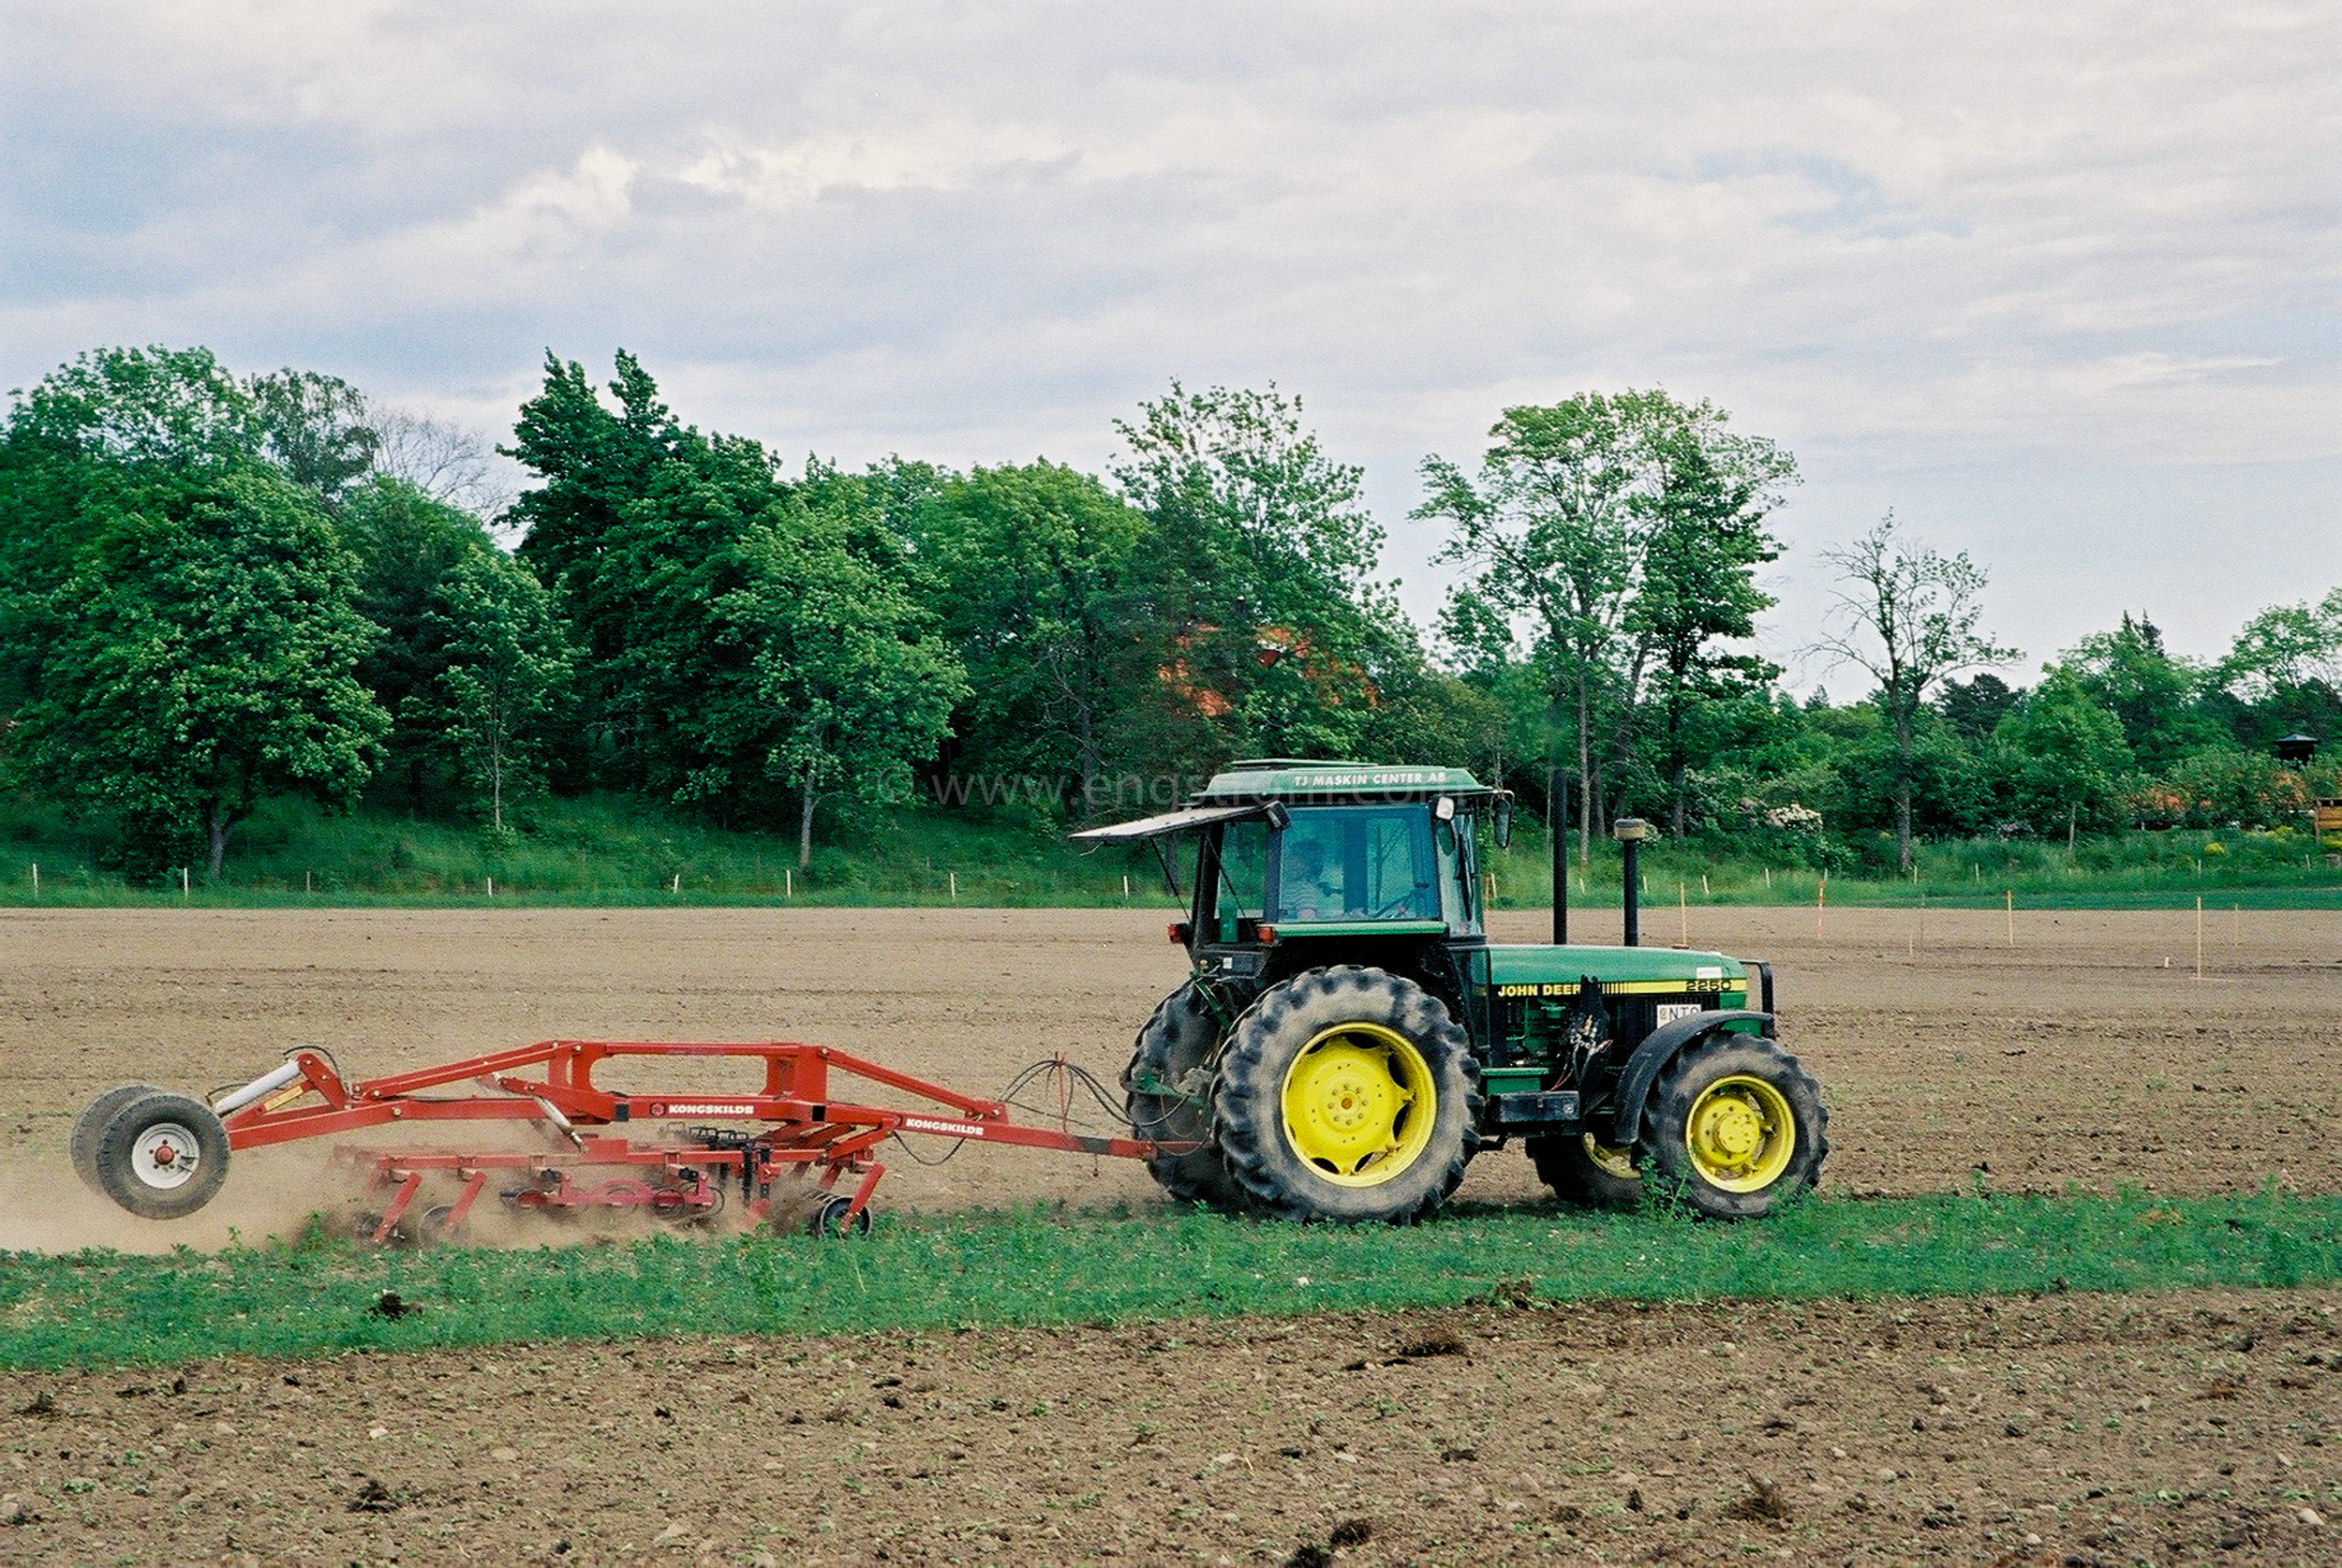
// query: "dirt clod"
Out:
[391,1304]
[1762,1500]
[1441,1343]
[42,1406]
[372,1498]
[1351,1532]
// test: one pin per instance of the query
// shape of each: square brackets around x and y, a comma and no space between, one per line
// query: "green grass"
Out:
[614,851]
[594,851]
[2276,869]
[1040,1268]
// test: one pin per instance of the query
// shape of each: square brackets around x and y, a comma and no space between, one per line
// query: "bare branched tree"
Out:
[1908,616]
[446,461]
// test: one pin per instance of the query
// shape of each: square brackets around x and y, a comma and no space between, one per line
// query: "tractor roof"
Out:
[1248,788]
[1299,781]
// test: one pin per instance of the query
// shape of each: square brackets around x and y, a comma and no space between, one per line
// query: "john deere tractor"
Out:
[1351,1038]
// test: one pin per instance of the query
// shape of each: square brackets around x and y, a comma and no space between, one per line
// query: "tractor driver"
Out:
[1305,893]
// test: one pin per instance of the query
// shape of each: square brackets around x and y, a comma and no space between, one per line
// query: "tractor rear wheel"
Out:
[1348,1094]
[1733,1126]
[1582,1169]
[1163,1104]
[162,1156]
[93,1121]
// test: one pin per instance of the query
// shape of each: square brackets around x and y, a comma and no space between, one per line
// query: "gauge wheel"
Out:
[92,1122]
[162,1156]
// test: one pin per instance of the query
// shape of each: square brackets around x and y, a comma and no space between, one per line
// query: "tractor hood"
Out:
[1555,971]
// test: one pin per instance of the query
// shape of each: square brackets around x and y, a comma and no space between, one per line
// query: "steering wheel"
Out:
[1402,901]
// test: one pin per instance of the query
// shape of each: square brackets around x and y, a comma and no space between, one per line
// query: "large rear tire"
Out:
[1350,1095]
[162,1156]
[1581,1169]
[93,1121]
[1166,1098]
[1734,1126]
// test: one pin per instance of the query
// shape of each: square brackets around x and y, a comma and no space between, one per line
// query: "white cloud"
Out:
[1942,251]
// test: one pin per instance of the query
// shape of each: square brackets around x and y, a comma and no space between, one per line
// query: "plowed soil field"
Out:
[2083,1052]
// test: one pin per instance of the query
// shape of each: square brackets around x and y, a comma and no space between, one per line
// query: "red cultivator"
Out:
[786,1149]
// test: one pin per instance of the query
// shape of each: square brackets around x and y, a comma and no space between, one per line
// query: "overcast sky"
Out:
[2062,285]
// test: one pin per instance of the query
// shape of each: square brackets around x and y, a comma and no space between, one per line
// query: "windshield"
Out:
[1359,862]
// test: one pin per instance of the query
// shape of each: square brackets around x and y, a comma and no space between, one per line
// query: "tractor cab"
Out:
[1287,858]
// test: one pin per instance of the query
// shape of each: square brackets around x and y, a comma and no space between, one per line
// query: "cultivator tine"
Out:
[410,1183]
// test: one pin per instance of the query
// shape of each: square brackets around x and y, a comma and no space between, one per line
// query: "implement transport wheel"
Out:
[162,1156]
[1734,1126]
[93,1121]
[1348,1094]
[1177,1041]
[1582,1169]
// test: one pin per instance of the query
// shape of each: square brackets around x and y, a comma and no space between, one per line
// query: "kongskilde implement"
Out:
[791,1148]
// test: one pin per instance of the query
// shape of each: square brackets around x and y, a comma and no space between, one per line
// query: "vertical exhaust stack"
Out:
[1557,819]
[1630,831]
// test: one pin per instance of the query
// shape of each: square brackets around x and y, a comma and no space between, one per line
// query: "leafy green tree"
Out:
[1623,530]
[316,428]
[406,544]
[1974,707]
[207,657]
[2284,674]
[2155,696]
[1908,616]
[1697,592]
[177,636]
[1033,569]
[2067,753]
[140,411]
[1256,566]
[637,529]
[504,676]
[850,684]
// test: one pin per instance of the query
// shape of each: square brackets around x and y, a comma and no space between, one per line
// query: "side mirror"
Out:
[1444,809]
[1502,823]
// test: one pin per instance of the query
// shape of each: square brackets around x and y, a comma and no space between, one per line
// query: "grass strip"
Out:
[1040,1269]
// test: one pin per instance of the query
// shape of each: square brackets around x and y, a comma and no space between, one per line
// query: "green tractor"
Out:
[1350,1038]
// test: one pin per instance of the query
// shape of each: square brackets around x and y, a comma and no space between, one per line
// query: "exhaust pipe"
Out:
[1630,831]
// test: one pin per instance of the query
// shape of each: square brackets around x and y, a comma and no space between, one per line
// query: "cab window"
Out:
[1233,877]
[1360,862]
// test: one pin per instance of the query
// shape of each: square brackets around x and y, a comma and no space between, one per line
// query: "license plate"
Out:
[1670,1011]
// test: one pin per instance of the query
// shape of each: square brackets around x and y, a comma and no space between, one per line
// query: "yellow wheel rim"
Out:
[1610,1161]
[1359,1103]
[1740,1133]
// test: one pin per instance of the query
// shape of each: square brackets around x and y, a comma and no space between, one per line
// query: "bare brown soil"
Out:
[2192,1429]
[2183,1428]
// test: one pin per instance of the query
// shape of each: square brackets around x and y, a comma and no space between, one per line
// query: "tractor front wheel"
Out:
[1348,1094]
[1167,1100]
[1582,1169]
[1733,1126]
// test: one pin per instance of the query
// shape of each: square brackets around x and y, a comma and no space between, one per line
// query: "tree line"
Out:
[214,588]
